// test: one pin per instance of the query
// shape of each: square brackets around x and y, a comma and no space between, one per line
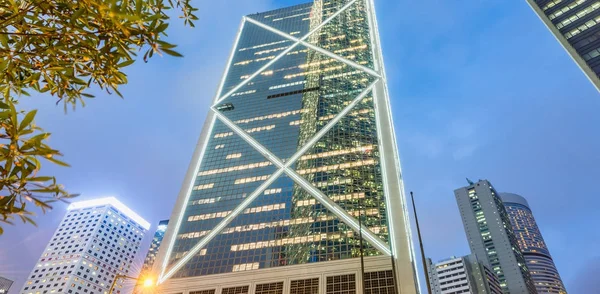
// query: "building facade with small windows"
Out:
[465,274]
[532,244]
[576,25]
[491,238]
[96,240]
[5,285]
[296,168]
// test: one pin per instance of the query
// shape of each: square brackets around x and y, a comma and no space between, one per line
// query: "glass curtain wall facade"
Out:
[290,156]
[153,250]
[575,24]
[532,244]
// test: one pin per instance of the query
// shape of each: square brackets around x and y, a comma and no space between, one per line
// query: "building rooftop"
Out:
[112,201]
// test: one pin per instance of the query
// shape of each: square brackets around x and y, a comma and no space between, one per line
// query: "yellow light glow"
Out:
[149,282]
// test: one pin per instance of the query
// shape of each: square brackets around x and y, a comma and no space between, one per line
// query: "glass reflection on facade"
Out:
[575,23]
[156,241]
[532,244]
[292,157]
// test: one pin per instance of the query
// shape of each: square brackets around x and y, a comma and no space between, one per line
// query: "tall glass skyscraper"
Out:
[297,150]
[491,237]
[536,253]
[575,24]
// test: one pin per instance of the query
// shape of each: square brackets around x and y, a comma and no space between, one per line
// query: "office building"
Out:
[491,237]
[575,24]
[462,275]
[5,285]
[296,149]
[96,240]
[153,250]
[530,240]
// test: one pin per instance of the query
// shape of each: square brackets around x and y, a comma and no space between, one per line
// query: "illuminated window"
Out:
[233,156]
[578,15]
[272,191]
[270,50]
[260,129]
[204,187]
[264,45]
[223,135]
[220,214]
[235,168]
[245,267]
[559,12]
[312,72]
[287,85]
[582,28]
[220,146]
[337,166]
[243,93]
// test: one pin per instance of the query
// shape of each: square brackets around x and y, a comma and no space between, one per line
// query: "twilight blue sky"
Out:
[479,89]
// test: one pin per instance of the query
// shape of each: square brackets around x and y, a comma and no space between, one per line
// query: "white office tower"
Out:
[97,240]
[462,275]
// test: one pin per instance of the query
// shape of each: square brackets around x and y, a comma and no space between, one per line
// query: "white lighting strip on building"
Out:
[318,49]
[112,201]
[282,54]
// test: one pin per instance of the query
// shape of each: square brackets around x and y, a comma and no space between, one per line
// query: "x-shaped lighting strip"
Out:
[285,167]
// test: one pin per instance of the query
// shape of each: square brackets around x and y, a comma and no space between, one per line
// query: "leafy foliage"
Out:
[63,47]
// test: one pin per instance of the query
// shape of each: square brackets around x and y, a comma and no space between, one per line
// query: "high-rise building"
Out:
[574,23]
[465,274]
[96,240]
[5,285]
[296,149]
[530,240]
[153,250]
[491,237]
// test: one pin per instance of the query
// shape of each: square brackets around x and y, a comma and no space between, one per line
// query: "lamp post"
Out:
[148,282]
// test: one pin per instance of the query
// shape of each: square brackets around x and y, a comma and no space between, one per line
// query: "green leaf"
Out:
[171,52]
[40,179]
[126,63]
[52,159]
[76,15]
[27,120]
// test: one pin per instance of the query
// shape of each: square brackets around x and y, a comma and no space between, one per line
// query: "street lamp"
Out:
[147,283]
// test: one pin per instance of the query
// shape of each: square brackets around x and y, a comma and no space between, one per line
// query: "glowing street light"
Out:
[146,284]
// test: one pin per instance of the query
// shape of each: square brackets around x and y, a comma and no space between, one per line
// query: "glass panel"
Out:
[282,101]
[230,171]
[256,47]
[347,35]
[345,165]
[293,20]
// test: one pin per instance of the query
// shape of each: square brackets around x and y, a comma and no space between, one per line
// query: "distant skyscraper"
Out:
[5,285]
[298,145]
[95,241]
[465,274]
[491,237]
[153,250]
[575,23]
[536,253]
